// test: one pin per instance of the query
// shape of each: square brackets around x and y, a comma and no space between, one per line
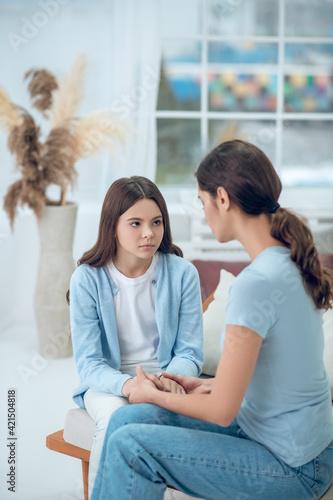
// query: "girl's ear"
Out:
[222,198]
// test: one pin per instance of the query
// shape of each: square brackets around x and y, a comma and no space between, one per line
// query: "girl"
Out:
[263,427]
[133,299]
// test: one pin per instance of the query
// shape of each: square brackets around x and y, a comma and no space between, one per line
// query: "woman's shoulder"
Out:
[269,269]
[250,279]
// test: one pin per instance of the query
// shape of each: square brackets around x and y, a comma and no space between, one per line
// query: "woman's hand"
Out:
[170,385]
[191,385]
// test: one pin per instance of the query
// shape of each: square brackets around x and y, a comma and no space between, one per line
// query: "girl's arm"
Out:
[92,367]
[221,405]
[89,354]
[188,347]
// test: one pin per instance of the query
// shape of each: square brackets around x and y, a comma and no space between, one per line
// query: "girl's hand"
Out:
[126,388]
[170,385]
[132,382]
[142,389]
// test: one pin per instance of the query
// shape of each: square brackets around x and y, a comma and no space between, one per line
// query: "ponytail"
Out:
[253,185]
[294,233]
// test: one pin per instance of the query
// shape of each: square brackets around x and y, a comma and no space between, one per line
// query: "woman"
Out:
[133,300]
[263,427]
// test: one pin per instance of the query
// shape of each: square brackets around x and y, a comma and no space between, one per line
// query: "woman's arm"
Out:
[221,405]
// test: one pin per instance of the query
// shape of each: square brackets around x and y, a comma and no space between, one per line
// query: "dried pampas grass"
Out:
[24,191]
[33,195]
[41,86]
[23,143]
[67,98]
[70,138]
[98,130]
[12,199]
[10,115]
[58,157]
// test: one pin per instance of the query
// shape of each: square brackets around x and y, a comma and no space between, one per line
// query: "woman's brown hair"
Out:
[253,185]
[121,196]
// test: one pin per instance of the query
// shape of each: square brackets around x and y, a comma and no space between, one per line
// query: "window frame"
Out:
[279,117]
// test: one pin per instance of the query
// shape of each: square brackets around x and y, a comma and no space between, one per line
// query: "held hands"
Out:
[165,384]
[191,385]
[141,388]
[162,383]
[170,385]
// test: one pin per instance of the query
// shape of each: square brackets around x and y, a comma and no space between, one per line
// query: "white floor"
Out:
[43,395]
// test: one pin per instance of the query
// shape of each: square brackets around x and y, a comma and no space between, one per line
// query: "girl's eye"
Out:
[157,223]
[135,224]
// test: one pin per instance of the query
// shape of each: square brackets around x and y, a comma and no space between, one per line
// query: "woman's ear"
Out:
[222,198]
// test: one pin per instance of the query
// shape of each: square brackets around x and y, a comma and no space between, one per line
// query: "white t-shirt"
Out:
[135,316]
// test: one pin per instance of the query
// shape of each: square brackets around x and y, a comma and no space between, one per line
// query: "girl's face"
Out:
[140,231]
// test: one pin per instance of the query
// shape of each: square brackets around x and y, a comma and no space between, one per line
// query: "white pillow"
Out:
[214,322]
[328,350]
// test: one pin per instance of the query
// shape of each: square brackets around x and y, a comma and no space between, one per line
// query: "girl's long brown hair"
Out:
[253,185]
[121,196]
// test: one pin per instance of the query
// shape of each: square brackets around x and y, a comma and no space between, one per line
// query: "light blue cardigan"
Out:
[178,311]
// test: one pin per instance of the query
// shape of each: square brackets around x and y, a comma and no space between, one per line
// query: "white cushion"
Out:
[213,323]
[79,428]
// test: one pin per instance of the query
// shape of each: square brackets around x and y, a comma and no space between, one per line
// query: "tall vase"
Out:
[56,265]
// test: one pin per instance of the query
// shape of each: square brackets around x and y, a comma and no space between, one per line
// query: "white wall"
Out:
[74,27]
[49,34]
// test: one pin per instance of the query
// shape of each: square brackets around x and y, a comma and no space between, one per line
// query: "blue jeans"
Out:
[147,448]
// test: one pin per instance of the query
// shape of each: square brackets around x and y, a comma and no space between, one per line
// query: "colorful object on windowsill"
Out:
[308,93]
[242,92]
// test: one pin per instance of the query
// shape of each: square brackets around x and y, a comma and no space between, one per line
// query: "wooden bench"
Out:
[57,443]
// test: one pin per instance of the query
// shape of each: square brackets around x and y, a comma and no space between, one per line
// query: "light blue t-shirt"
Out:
[287,406]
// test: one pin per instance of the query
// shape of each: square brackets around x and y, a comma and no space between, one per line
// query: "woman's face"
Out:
[217,214]
[140,230]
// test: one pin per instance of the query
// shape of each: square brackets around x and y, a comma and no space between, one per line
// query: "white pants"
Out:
[100,406]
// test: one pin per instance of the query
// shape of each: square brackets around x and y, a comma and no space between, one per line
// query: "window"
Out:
[259,70]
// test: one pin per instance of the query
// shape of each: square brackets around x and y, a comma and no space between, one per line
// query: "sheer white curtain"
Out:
[120,39]
[136,65]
